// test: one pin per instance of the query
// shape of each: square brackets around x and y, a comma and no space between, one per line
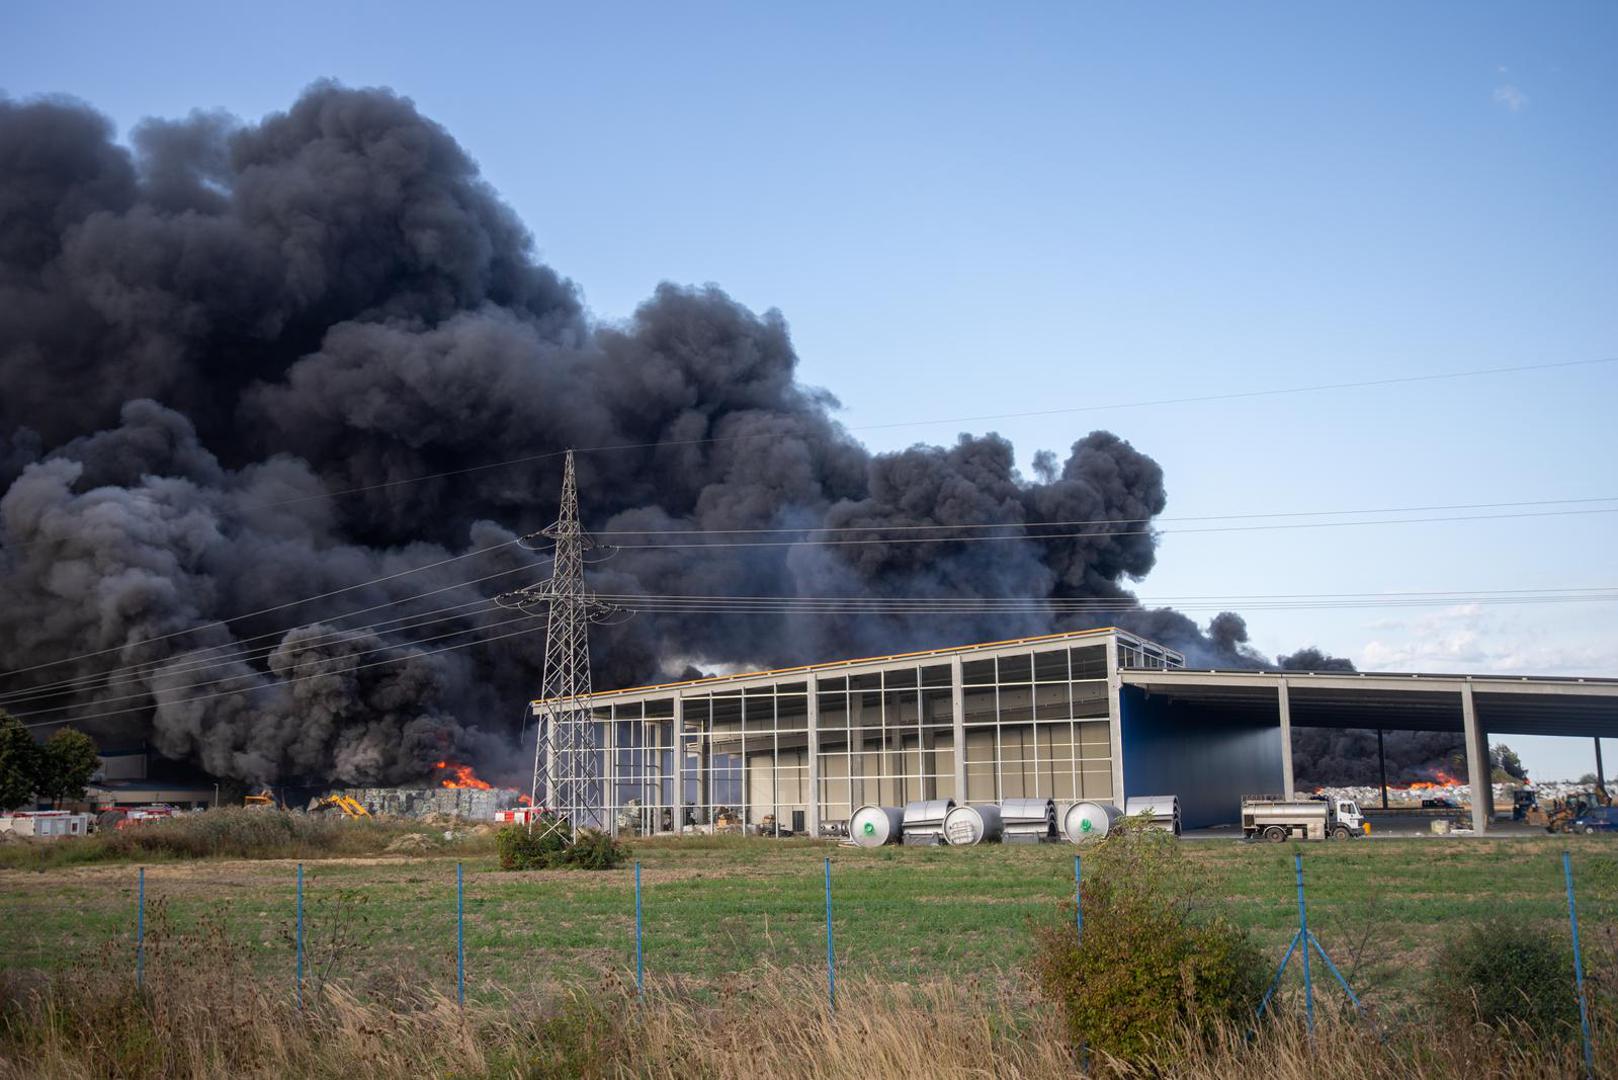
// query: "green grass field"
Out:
[720,912]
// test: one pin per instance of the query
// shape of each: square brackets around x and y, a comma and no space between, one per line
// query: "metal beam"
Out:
[957,707]
[814,759]
[1283,701]
[1166,679]
[1477,763]
[1115,713]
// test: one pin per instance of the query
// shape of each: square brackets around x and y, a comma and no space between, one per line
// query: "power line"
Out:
[786,605]
[293,603]
[676,604]
[1034,536]
[177,663]
[1093,521]
[277,682]
[1069,410]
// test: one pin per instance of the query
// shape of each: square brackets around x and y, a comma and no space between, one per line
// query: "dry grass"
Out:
[196,1019]
[234,832]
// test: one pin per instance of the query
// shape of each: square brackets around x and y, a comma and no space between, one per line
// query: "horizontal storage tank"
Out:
[1162,810]
[873,826]
[1028,821]
[968,825]
[1089,821]
[924,821]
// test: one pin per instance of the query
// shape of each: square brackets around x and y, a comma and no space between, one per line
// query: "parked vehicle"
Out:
[1596,819]
[1440,803]
[1275,818]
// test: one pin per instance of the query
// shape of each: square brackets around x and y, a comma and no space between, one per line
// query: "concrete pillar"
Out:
[677,729]
[1284,703]
[1115,716]
[1601,772]
[814,759]
[609,778]
[957,707]
[1382,767]
[1477,763]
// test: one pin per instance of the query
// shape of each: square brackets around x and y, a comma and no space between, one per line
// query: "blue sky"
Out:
[965,210]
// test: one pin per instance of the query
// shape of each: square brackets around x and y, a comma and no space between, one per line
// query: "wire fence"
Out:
[686,917]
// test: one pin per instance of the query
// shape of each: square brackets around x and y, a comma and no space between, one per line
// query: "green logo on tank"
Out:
[1085,826]
[870,829]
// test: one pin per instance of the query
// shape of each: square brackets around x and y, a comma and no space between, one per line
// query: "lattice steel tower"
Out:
[567,766]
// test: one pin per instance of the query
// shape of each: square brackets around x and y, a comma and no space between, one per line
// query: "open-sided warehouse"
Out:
[1092,715]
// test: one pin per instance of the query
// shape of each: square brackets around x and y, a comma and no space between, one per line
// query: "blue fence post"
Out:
[140,933]
[831,953]
[1578,967]
[1078,900]
[460,938]
[297,982]
[1303,936]
[640,965]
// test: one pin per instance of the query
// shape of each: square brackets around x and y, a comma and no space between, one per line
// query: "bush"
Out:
[1148,967]
[550,844]
[537,848]
[1507,972]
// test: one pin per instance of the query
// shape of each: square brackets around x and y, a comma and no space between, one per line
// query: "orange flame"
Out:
[463,777]
[1441,779]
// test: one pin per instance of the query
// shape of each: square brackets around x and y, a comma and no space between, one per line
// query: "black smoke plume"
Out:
[227,349]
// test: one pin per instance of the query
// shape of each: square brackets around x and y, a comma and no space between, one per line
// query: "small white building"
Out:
[45,824]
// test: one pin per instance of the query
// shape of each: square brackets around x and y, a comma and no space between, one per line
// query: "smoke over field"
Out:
[229,348]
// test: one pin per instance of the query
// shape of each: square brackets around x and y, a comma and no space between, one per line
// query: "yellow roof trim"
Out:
[805,668]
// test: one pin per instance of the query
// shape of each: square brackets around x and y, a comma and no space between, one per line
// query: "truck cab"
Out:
[1347,812]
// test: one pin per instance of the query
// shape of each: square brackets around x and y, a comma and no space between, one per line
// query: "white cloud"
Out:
[1510,96]
[1471,639]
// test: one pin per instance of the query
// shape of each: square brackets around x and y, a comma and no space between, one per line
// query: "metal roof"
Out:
[1506,704]
[805,669]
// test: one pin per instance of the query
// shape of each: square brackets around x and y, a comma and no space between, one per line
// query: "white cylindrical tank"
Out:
[1028,821]
[1162,810]
[1089,820]
[873,826]
[967,825]
[924,821]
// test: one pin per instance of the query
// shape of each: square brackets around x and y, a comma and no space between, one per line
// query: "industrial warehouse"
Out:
[1090,717]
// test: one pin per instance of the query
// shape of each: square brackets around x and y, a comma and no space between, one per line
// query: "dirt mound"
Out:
[410,844]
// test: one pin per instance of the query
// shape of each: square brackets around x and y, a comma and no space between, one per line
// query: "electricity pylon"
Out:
[567,766]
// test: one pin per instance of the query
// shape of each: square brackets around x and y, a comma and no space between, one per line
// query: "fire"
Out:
[463,777]
[524,800]
[1441,779]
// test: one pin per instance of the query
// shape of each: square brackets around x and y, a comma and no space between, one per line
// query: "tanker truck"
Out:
[1276,818]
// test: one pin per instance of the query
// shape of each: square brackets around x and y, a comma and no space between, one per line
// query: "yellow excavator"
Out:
[349,805]
[265,798]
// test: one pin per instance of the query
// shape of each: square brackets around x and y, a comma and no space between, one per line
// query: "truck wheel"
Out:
[1341,832]
[1275,834]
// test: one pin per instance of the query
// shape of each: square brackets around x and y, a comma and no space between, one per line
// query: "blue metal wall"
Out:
[1209,760]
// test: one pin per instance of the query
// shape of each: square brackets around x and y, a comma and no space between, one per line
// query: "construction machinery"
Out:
[1562,813]
[350,806]
[265,799]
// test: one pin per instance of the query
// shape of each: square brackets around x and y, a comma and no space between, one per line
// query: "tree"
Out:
[19,763]
[1505,759]
[66,762]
